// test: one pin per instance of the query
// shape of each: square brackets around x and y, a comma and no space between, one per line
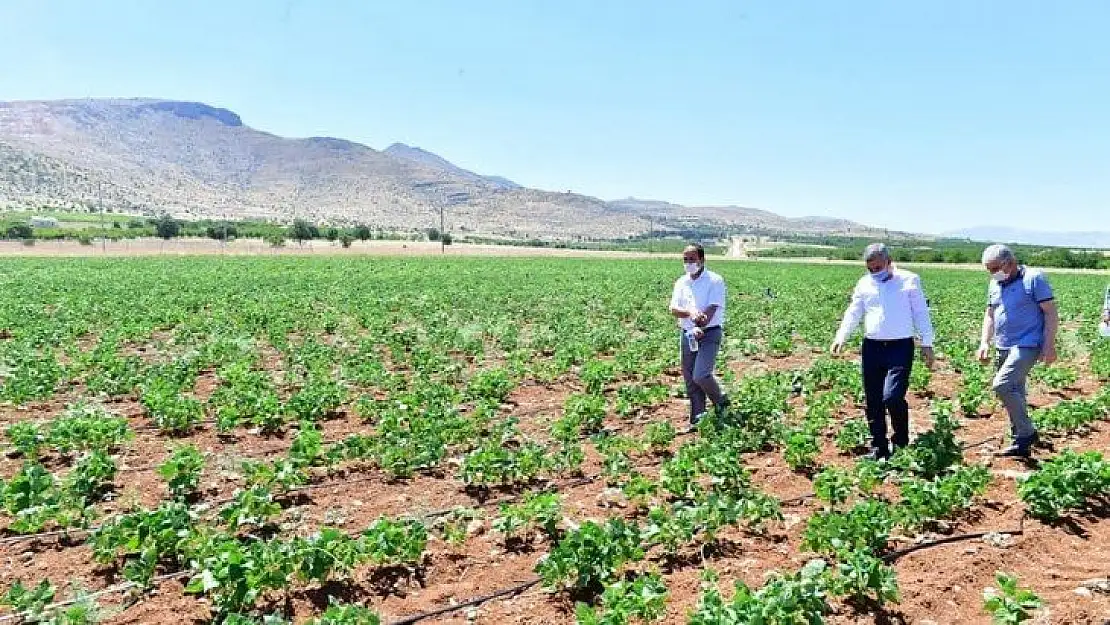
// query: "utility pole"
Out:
[100,199]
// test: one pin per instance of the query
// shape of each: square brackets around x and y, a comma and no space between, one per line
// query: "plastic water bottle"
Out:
[692,341]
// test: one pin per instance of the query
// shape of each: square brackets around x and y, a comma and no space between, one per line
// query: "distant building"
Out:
[44,222]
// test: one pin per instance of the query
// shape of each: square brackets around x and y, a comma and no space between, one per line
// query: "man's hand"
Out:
[699,334]
[983,353]
[837,347]
[1048,355]
[929,357]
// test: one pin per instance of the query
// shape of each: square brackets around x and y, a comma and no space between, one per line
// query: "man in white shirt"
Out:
[1104,326]
[892,306]
[698,302]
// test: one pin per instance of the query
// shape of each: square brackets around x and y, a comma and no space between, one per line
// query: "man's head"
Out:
[877,257]
[693,257]
[1000,262]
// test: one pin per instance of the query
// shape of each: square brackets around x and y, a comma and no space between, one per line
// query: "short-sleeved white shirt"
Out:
[702,293]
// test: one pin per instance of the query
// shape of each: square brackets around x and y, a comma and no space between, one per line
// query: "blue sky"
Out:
[922,115]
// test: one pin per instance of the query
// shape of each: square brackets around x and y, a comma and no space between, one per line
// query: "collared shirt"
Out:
[889,310]
[707,290]
[1016,306]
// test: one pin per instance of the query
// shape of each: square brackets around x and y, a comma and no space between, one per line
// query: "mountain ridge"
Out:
[420,155]
[192,159]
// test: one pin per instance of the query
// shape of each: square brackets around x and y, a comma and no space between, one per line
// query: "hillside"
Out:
[435,161]
[196,160]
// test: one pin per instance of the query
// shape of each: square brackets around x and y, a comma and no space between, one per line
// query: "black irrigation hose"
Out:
[798,499]
[891,557]
[513,590]
[20,616]
[11,540]
[152,427]
[967,446]
[511,498]
[264,454]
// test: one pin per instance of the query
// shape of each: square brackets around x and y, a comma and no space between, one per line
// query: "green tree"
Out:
[332,234]
[21,231]
[362,232]
[447,238]
[346,240]
[433,234]
[221,231]
[167,227]
[302,231]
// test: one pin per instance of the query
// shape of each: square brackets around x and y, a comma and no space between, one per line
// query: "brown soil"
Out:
[940,585]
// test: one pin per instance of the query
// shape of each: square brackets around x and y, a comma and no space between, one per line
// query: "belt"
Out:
[889,341]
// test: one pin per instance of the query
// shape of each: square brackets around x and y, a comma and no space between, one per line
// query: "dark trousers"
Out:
[886,377]
[697,371]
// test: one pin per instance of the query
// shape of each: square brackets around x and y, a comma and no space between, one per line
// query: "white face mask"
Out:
[692,268]
[1000,276]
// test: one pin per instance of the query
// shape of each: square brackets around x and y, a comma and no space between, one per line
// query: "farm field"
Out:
[341,440]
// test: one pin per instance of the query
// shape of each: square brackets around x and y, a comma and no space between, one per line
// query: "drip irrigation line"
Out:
[11,540]
[512,590]
[798,499]
[947,540]
[967,446]
[20,616]
[264,454]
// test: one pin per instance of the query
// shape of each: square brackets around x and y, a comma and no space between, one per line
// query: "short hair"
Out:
[697,247]
[876,250]
[998,253]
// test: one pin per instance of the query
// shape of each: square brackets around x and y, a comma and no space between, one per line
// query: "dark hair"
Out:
[697,248]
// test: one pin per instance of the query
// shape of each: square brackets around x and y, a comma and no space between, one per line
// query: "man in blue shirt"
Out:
[1023,320]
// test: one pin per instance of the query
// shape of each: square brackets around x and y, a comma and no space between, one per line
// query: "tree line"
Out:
[167,227]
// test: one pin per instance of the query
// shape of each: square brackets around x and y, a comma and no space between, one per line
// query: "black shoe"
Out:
[877,454]
[1022,447]
[1015,451]
[692,427]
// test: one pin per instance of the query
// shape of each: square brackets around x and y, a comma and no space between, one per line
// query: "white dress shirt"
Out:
[700,294]
[889,310]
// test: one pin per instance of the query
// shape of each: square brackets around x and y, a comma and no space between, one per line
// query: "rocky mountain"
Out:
[674,215]
[424,157]
[196,160]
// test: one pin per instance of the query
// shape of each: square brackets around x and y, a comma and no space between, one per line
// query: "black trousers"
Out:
[886,378]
